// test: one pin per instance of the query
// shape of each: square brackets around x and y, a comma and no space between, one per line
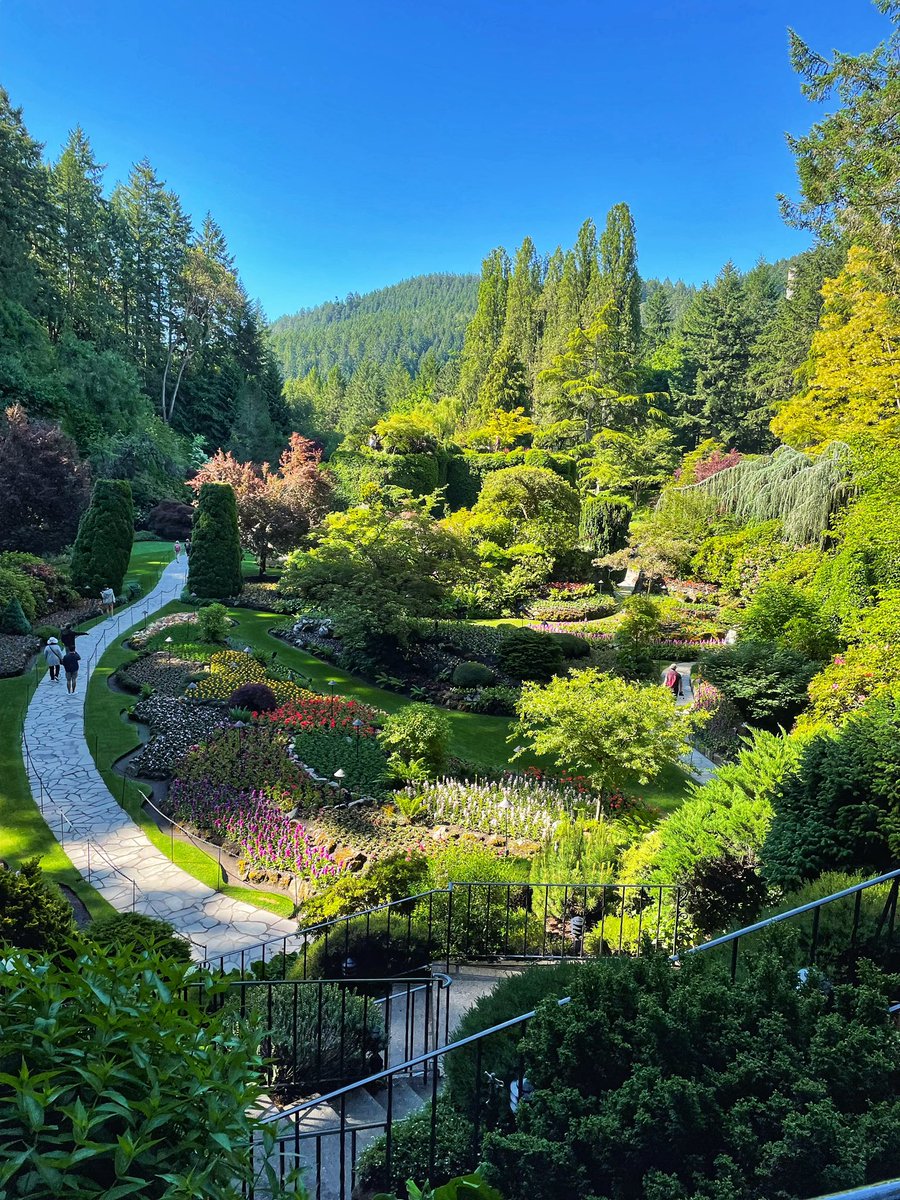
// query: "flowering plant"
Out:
[526,808]
[311,711]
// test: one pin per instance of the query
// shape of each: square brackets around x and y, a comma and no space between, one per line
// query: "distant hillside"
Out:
[428,312]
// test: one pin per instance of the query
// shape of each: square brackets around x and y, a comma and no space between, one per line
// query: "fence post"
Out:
[89,861]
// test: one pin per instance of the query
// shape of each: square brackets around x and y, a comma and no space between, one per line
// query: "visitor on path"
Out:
[177,551]
[70,666]
[672,680]
[53,657]
[187,547]
[69,635]
[108,600]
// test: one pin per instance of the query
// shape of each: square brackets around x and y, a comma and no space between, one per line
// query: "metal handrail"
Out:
[888,1190]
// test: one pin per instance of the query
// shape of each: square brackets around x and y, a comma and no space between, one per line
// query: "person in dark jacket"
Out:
[70,662]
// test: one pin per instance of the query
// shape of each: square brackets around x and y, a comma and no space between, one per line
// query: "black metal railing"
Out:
[888,1190]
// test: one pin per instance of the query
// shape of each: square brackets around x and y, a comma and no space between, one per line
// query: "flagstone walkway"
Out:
[101,840]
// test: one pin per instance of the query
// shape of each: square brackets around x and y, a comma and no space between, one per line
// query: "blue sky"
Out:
[345,145]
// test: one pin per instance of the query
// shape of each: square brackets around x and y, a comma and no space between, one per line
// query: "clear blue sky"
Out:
[344,145]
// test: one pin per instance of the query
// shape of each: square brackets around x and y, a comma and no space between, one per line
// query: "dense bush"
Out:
[604,524]
[418,733]
[13,619]
[116,1080]
[105,535]
[572,646]
[212,623]
[135,931]
[256,697]
[840,810]
[170,520]
[526,654]
[472,674]
[34,915]
[509,998]
[582,608]
[146,535]
[393,877]
[379,946]
[658,1083]
[316,1038]
[723,891]
[787,616]
[766,683]
[454,1151]
[214,565]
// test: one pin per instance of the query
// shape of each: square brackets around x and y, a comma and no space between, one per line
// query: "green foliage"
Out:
[212,622]
[34,916]
[469,1187]
[472,674]
[572,646]
[477,921]
[509,998]
[841,809]
[363,762]
[380,946]
[615,732]
[766,683]
[527,654]
[214,565]
[660,1083]
[539,507]
[410,1153]
[135,932]
[739,561]
[393,877]
[13,619]
[418,732]
[722,892]
[636,633]
[787,616]
[105,535]
[604,523]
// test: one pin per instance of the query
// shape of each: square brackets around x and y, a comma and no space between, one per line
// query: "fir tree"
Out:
[105,535]
[505,386]
[520,329]
[13,620]
[215,559]
[656,320]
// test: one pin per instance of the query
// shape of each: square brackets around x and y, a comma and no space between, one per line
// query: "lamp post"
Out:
[339,776]
[169,648]
[357,725]
[503,806]
[331,686]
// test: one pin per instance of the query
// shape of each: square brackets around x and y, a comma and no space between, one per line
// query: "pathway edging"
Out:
[98,835]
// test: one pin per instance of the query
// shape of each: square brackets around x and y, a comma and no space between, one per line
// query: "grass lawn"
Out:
[147,563]
[23,831]
[110,735]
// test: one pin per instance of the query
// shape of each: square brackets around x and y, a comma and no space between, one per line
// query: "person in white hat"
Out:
[53,657]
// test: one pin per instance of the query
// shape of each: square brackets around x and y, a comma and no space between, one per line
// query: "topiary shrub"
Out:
[604,524]
[256,697]
[214,568]
[379,948]
[105,535]
[571,645]
[527,654]
[34,915]
[139,932]
[472,674]
[13,619]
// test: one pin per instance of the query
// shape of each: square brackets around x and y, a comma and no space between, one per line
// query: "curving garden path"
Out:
[101,840]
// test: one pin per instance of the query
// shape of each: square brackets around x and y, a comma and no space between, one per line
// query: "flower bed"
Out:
[599,635]
[261,833]
[533,806]
[230,669]
[312,711]
[580,608]
[176,727]
[165,674]
[140,639]
[15,652]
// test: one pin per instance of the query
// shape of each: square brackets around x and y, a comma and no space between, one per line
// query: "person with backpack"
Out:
[70,666]
[672,680]
[53,657]
[108,600]
[177,550]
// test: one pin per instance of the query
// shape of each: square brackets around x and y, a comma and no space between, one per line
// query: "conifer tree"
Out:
[13,620]
[105,535]
[485,330]
[505,386]
[520,329]
[215,559]
[656,321]
[620,284]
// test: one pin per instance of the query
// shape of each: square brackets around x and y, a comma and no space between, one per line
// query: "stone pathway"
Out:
[698,765]
[102,842]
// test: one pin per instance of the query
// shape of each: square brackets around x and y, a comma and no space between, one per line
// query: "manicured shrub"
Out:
[45,632]
[454,1152]
[34,915]
[526,654]
[571,645]
[317,1038]
[472,674]
[105,535]
[214,569]
[604,523]
[13,620]
[579,608]
[130,1076]
[256,697]
[130,932]
[147,535]
[418,732]
[509,998]
[723,892]
[379,947]
[212,623]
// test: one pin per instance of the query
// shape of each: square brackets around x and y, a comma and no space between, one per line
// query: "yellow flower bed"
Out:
[230,669]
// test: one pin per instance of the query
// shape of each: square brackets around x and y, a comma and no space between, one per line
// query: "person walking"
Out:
[53,657]
[177,550]
[70,666]
[69,635]
[187,547]
[672,680]
[108,600]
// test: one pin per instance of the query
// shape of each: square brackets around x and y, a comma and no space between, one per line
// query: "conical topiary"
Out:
[13,619]
[105,534]
[214,565]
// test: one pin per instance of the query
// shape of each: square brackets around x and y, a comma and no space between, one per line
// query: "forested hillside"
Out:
[123,319]
[400,323]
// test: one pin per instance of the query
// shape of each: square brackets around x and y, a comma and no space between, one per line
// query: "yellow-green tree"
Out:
[853,371]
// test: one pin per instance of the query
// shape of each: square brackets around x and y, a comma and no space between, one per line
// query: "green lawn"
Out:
[148,561]
[110,735]
[23,831]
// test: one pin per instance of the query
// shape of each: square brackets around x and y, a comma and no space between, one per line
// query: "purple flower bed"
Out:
[267,837]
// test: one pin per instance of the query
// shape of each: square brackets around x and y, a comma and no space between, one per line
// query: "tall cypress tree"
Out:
[103,545]
[215,560]
[520,329]
[620,283]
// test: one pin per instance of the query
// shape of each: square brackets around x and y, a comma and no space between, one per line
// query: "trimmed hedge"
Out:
[472,674]
[214,569]
[105,535]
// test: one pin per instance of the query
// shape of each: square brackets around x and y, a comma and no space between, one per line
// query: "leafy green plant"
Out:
[212,623]
[468,1187]
[362,760]
[472,674]
[393,877]
[34,915]
[454,1152]
[379,947]
[131,932]
[418,731]
[214,565]
[572,646]
[765,682]
[527,654]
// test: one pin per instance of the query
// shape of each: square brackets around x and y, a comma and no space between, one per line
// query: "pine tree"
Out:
[656,320]
[105,535]
[520,329]
[505,386]
[13,620]
[485,330]
[215,560]
[620,284]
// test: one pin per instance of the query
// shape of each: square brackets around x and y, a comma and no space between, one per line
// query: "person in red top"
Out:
[672,680]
